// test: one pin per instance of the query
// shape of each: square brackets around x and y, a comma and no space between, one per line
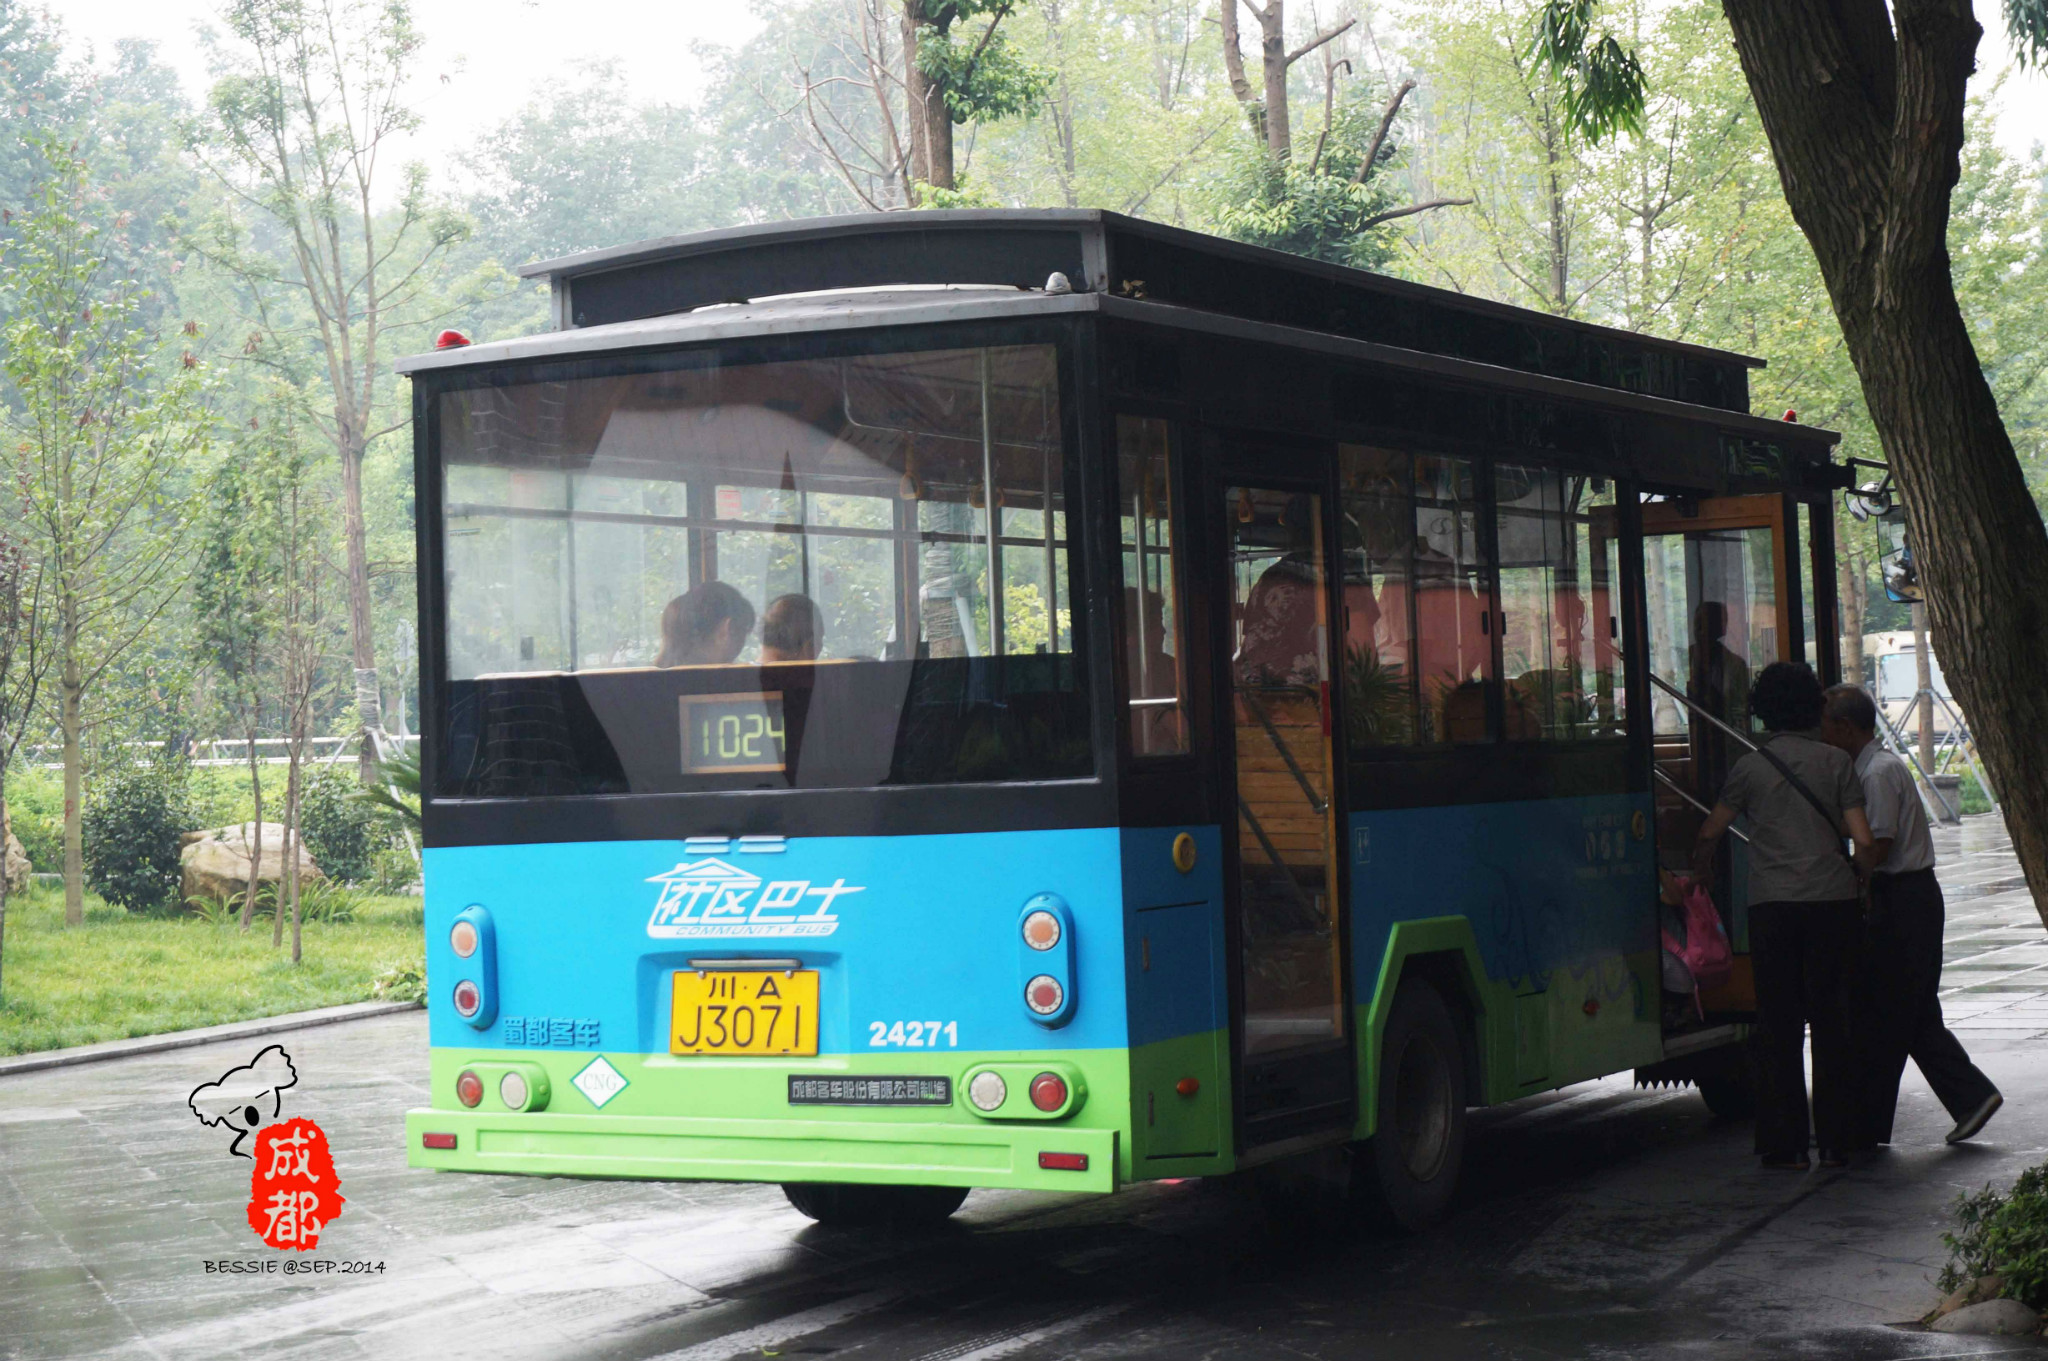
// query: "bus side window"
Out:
[1378,538]
[1556,549]
[1150,604]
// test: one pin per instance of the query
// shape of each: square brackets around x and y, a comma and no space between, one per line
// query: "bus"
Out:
[1039,699]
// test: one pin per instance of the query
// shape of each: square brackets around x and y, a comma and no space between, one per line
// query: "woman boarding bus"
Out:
[1207,716]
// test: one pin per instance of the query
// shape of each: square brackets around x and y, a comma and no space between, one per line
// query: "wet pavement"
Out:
[1599,1221]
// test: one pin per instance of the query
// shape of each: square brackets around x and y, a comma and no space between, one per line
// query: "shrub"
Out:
[2005,1235]
[406,982]
[35,805]
[131,823]
[339,826]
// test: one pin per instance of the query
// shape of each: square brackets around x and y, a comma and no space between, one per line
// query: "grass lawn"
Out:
[122,974]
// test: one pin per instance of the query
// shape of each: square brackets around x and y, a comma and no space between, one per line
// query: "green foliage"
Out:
[2026,23]
[131,822]
[2003,1234]
[1377,705]
[35,807]
[340,826]
[1600,83]
[405,981]
[123,974]
[979,72]
[397,787]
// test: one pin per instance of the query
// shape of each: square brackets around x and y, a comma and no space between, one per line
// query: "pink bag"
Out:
[1704,951]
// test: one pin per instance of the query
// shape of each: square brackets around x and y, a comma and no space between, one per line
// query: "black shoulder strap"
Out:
[1834,829]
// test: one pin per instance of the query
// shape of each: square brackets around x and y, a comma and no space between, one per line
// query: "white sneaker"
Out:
[1968,1126]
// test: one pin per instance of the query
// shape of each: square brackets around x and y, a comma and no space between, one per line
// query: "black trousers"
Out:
[1901,1004]
[1802,953]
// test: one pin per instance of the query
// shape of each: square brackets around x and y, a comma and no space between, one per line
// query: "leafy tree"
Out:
[235,589]
[24,657]
[106,413]
[38,94]
[314,92]
[1865,104]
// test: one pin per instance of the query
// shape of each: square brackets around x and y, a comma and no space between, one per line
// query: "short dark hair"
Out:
[791,623]
[693,617]
[1852,704]
[1787,697]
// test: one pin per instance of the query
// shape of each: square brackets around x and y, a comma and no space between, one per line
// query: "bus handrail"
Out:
[1701,710]
[1683,793]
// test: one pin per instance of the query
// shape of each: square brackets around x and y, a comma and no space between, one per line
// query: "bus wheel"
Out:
[1419,1142]
[839,1204]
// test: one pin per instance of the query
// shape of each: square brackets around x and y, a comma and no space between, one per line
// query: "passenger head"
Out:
[706,627]
[1849,717]
[1710,621]
[791,629]
[1787,697]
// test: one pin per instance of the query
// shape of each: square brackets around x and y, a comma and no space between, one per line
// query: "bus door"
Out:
[1290,1022]
[1723,603]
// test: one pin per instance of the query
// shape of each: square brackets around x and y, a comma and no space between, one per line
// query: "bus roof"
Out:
[1108,253]
[863,308]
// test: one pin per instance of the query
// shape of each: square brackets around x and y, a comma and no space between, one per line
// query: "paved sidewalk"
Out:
[1995,956]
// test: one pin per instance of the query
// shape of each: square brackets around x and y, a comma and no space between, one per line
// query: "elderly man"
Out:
[1903,969]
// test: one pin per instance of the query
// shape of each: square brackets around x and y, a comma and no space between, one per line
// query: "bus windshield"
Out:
[822,573]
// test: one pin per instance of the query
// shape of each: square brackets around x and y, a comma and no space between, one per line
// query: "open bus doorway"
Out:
[1719,607]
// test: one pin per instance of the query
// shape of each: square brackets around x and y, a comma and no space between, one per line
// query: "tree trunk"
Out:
[1923,684]
[931,123]
[70,716]
[1866,129]
[292,801]
[363,641]
[256,839]
[1233,65]
[1273,60]
[286,880]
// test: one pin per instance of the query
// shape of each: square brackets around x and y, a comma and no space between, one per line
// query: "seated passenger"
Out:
[706,627]
[792,627]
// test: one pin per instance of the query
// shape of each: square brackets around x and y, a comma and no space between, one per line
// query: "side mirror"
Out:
[1901,578]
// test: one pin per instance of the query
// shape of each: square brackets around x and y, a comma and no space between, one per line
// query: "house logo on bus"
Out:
[710,900]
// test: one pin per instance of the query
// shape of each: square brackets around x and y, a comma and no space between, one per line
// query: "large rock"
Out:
[216,861]
[1993,1318]
[18,867]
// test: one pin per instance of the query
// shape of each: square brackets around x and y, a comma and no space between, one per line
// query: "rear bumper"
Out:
[695,1148]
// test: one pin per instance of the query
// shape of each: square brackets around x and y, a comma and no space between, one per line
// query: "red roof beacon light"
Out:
[1792,416]
[450,340]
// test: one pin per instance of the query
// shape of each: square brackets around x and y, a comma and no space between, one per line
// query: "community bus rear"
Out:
[893,737]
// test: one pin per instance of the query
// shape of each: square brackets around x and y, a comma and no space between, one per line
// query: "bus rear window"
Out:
[822,573]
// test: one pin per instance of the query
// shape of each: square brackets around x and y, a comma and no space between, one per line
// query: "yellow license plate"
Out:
[733,1012]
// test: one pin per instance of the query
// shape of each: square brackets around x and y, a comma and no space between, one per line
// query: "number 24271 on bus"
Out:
[730,1012]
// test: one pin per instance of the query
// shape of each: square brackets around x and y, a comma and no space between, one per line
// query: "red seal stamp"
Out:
[294,1191]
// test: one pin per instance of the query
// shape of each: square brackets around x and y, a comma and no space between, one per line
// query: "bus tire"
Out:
[1418,1146]
[842,1205]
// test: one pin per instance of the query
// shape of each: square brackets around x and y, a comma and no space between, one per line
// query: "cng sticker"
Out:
[599,1082]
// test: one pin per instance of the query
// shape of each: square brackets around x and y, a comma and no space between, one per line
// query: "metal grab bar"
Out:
[1701,710]
[1680,790]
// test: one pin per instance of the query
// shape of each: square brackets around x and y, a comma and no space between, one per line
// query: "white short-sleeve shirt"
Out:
[1893,806]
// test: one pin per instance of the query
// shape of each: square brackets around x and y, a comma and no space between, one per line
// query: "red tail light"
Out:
[1063,1162]
[1048,1091]
[467,999]
[437,1141]
[469,1088]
